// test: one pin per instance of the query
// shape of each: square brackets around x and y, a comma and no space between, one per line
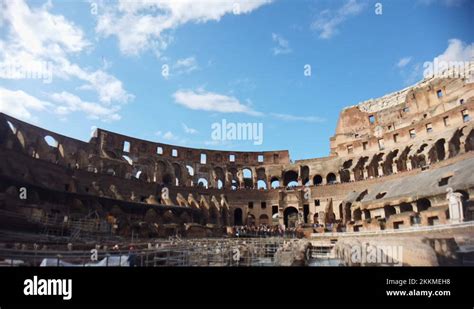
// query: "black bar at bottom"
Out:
[257,285]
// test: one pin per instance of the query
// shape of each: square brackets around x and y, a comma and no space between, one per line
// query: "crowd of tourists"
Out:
[264,230]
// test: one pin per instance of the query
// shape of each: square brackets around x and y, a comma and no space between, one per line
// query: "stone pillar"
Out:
[409,166]
[394,168]
[397,209]
[380,170]
[456,213]
[352,176]
[366,173]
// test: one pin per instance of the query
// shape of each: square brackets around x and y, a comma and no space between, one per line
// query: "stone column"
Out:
[352,176]
[380,170]
[394,168]
[446,149]
[366,173]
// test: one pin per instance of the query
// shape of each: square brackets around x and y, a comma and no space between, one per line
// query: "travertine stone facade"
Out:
[391,161]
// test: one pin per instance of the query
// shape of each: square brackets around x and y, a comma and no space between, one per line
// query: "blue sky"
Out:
[243,61]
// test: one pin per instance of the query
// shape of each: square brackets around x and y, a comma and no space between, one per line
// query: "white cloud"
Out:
[289,117]
[403,62]
[34,36]
[457,50]
[169,136]
[142,25]
[184,66]
[189,130]
[212,102]
[69,103]
[283,46]
[20,104]
[328,21]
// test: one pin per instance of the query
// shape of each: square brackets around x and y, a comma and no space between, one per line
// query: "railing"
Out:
[189,252]
[397,231]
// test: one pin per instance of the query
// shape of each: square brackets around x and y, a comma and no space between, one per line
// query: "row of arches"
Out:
[182,174]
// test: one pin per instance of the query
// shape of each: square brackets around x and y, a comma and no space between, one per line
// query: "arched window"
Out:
[51,141]
[275,183]
[261,185]
[317,180]
[290,177]
[423,204]
[331,178]
[202,182]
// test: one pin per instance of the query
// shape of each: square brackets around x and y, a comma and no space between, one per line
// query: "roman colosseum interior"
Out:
[393,161]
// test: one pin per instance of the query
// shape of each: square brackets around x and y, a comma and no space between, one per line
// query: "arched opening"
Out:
[263,219]
[202,183]
[238,218]
[290,216]
[275,183]
[389,210]
[345,175]
[359,168]
[305,175]
[437,152]
[128,159]
[402,159]
[373,167]
[380,195]
[404,207]
[190,170]
[12,127]
[289,177]
[366,213]
[362,195]
[455,143]
[248,181]
[357,214]
[169,217]
[387,165]
[317,180]
[51,141]
[213,214]
[151,216]
[331,178]
[168,179]
[423,204]
[469,143]
[261,185]
[219,177]
[347,215]
[177,173]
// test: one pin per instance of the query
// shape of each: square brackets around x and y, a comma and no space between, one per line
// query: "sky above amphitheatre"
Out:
[166,71]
